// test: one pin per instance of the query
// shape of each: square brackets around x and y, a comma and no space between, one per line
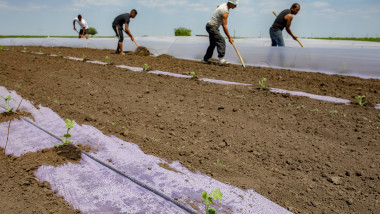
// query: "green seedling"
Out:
[316,110]
[41,50]
[301,107]
[69,125]
[108,60]
[60,54]
[84,58]
[1,48]
[193,75]
[333,112]
[218,162]
[146,67]
[360,100]
[25,49]
[7,100]
[262,83]
[208,200]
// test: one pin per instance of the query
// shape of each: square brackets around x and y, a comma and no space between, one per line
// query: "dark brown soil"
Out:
[306,155]
[7,116]
[142,51]
[22,192]
[69,152]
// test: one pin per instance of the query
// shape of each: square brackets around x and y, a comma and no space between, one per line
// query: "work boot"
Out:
[207,62]
[223,62]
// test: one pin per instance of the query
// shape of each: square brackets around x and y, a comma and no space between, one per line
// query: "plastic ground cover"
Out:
[351,58]
[93,188]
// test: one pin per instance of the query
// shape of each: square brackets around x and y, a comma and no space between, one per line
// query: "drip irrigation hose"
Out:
[181,206]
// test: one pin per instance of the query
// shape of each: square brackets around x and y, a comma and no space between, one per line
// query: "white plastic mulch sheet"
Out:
[94,188]
[351,58]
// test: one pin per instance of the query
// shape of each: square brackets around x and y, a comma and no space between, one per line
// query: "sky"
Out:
[252,18]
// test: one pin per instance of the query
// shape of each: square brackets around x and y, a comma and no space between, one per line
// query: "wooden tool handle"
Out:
[241,59]
[136,43]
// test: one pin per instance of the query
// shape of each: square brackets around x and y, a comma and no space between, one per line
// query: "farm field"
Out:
[303,154]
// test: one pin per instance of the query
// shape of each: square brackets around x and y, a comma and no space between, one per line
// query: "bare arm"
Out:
[74,25]
[289,19]
[225,29]
[128,32]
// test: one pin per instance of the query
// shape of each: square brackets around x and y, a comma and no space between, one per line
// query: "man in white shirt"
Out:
[219,17]
[84,27]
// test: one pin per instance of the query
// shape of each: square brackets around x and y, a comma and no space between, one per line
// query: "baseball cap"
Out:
[235,2]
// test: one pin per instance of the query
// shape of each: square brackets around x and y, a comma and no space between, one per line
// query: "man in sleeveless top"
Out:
[219,18]
[283,20]
[117,26]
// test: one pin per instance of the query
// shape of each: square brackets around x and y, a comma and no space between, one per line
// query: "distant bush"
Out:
[182,31]
[92,31]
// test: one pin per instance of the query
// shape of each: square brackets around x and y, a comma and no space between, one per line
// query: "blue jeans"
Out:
[276,37]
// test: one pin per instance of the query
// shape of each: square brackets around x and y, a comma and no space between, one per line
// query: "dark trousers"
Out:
[216,40]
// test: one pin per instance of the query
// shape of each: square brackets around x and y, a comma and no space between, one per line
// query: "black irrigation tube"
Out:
[181,206]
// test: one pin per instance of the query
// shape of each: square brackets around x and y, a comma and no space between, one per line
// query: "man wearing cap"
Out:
[283,20]
[219,17]
[84,27]
[117,26]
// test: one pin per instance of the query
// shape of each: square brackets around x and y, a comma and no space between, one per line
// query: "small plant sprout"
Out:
[41,50]
[301,107]
[360,100]
[108,60]
[25,48]
[69,125]
[1,48]
[208,199]
[7,100]
[60,54]
[146,67]
[193,75]
[84,58]
[262,83]
[333,112]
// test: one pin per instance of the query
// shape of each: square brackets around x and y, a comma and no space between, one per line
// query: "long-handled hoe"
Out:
[297,38]
[241,59]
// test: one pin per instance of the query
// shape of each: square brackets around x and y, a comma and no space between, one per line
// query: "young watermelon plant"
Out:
[208,200]
[146,67]
[7,100]
[360,100]
[69,125]
[84,58]
[262,83]
[108,60]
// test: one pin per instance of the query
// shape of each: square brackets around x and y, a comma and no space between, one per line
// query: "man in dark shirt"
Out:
[117,26]
[283,20]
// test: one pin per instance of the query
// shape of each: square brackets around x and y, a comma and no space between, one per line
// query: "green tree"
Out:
[181,31]
[92,31]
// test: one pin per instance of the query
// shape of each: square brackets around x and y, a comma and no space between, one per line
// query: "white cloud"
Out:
[5,5]
[266,7]
[320,4]
[328,10]
[83,3]
[171,6]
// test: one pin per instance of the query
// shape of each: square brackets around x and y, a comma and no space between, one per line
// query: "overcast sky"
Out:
[252,18]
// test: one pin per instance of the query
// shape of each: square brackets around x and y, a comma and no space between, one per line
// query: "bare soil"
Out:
[22,192]
[308,156]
